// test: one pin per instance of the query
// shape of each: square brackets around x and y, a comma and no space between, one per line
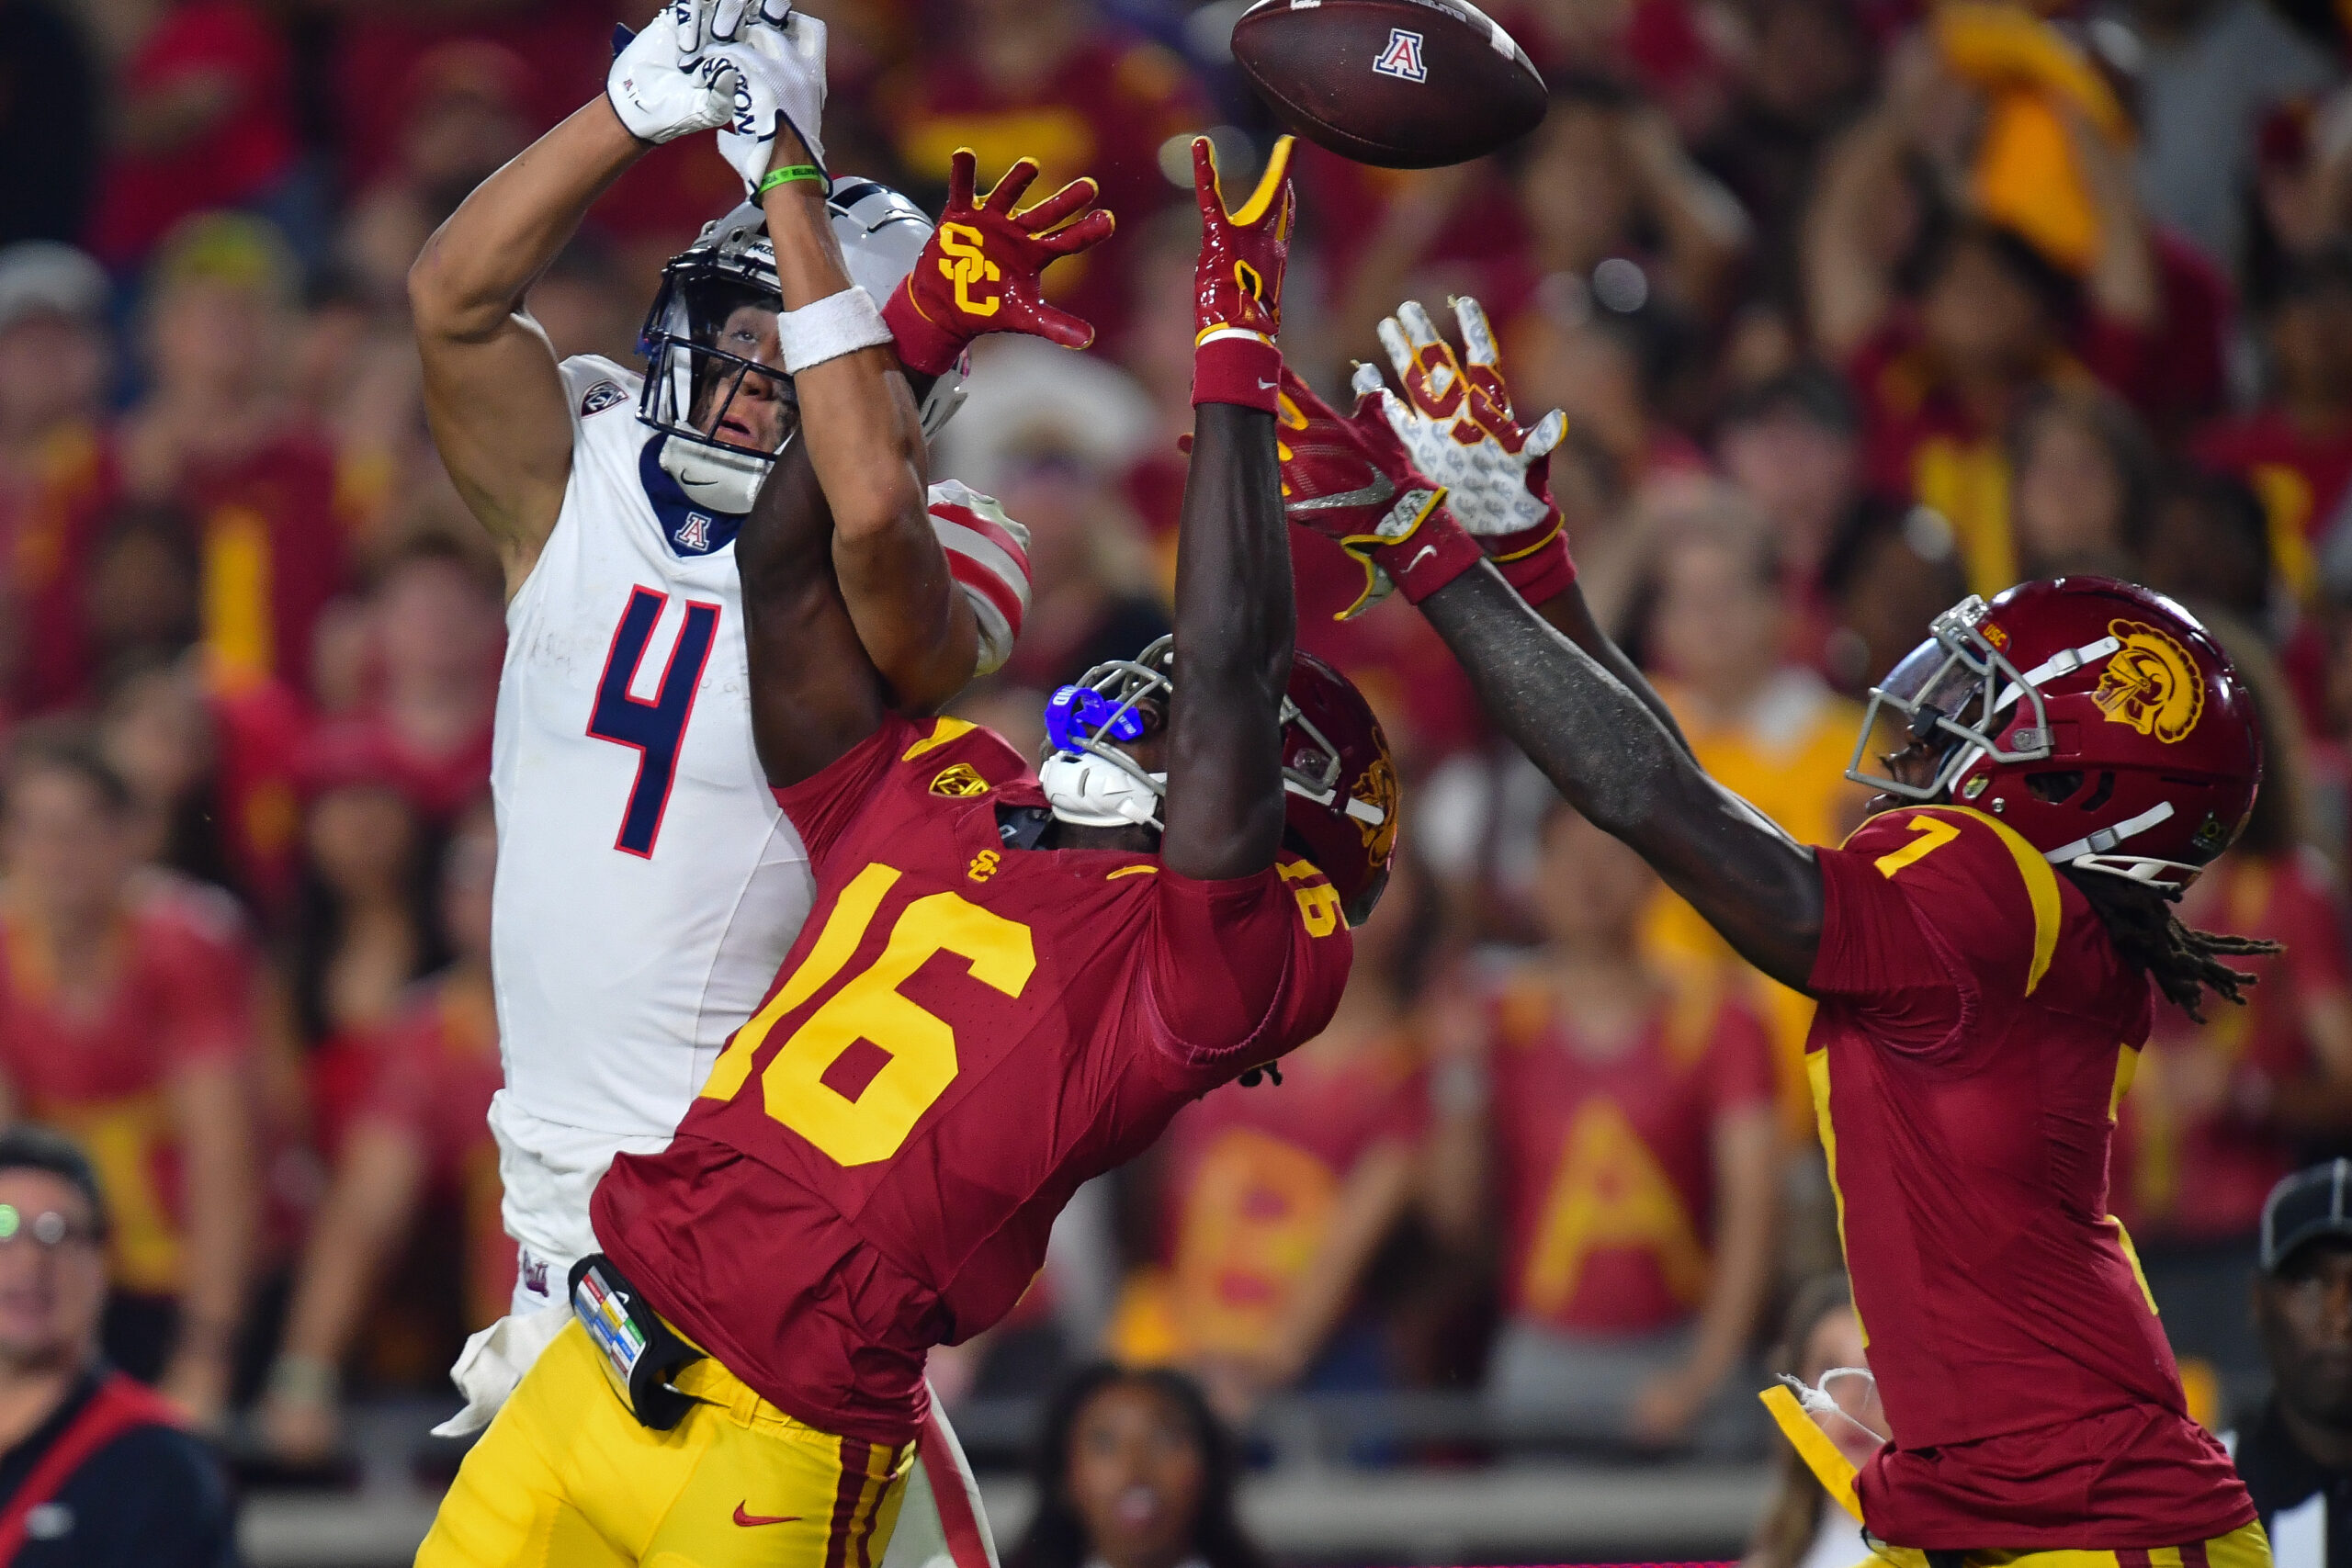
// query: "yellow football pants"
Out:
[566,1477]
[2244,1547]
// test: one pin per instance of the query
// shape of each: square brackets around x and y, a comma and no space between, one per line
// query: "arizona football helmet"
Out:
[1338,779]
[2096,718]
[732,264]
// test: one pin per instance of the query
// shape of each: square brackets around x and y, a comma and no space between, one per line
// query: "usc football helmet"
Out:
[2099,719]
[732,264]
[1338,780]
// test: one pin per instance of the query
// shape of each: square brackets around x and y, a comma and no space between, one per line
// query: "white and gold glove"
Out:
[1457,420]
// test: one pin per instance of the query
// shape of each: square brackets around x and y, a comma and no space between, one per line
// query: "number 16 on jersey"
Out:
[656,728]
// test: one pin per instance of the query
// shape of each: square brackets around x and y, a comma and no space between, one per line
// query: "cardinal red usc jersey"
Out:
[964,1031]
[1975,1034]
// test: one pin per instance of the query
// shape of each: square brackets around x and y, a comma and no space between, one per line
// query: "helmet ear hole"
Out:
[2056,788]
[2101,791]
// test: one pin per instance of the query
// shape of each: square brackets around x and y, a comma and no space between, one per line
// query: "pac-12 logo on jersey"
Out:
[600,397]
[1402,58]
[693,534]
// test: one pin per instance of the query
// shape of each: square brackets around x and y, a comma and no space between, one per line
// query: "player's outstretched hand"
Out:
[662,83]
[983,268]
[1456,420]
[1350,479]
[1237,282]
[775,57]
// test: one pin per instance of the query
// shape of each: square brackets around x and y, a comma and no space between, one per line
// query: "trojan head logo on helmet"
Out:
[1338,779]
[2099,720]
[714,376]
[2150,683]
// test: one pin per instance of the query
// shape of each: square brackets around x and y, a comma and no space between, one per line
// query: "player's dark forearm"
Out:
[815,693]
[858,416]
[1569,614]
[473,272]
[1235,620]
[1611,758]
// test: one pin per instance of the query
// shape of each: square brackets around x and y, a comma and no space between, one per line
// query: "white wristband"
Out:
[837,325]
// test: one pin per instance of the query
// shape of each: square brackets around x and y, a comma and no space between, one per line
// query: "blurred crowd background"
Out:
[1855,306]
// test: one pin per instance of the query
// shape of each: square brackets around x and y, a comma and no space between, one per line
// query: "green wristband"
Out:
[790,175]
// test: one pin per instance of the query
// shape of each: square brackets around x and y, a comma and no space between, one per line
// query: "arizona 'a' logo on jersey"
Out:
[1402,58]
[695,532]
[2151,682]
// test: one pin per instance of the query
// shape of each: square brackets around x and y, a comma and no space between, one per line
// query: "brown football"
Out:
[1403,83]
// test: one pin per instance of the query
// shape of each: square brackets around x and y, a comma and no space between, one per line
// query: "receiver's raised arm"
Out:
[1234,610]
[1604,748]
[493,394]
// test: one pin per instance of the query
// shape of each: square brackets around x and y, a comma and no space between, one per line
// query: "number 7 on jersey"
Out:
[657,727]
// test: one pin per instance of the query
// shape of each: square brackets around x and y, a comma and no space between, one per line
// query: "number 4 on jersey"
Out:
[655,728]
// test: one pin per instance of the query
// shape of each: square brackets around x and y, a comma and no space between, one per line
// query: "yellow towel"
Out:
[1824,1458]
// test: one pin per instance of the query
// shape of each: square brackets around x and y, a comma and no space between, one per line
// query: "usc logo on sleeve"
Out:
[2150,683]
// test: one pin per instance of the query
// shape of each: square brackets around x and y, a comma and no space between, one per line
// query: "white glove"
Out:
[1458,425]
[495,1361]
[661,84]
[778,69]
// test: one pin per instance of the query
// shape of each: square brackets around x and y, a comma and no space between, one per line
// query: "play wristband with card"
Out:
[639,1352]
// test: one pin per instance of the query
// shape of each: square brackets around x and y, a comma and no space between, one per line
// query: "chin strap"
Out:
[715,477]
[2098,844]
[1088,791]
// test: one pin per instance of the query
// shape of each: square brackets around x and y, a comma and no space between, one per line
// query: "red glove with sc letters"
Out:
[982,270]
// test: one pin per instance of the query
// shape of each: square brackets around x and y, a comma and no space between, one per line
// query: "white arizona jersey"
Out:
[647,881]
[648,886]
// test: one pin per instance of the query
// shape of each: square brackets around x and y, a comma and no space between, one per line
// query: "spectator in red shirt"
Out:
[205,120]
[126,1017]
[438,626]
[421,1133]
[2221,1110]
[1807,70]
[1275,1198]
[1943,365]
[212,774]
[364,928]
[1793,445]
[1624,1130]
[57,472]
[1055,81]
[2083,484]
[218,434]
[460,116]
[2295,449]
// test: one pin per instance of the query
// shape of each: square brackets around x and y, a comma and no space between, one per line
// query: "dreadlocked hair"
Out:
[2183,963]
